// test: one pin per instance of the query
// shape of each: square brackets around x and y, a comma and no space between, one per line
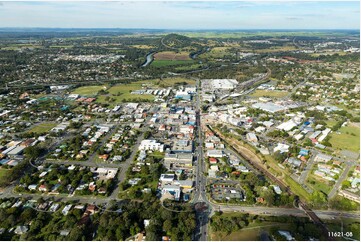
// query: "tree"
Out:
[28,214]
[75,234]
[167,225]
[33,152]
[346,184]
[147,134]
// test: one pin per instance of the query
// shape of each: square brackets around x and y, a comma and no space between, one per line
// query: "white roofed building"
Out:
[151,145]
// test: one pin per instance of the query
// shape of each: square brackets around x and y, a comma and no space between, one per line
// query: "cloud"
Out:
[294,18]
[181,15]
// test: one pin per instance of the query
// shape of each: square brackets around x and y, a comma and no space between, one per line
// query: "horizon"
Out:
[178,29]
[183,15]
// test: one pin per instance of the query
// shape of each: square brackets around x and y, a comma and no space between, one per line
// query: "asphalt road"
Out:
[128,162]
[308,168]
[200,195]
[338,184]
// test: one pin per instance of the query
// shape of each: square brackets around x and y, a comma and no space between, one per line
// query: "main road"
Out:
[202,205]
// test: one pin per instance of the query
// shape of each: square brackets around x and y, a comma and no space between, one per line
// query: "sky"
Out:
[183,15]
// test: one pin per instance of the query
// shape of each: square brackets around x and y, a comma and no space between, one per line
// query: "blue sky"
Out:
[183,15]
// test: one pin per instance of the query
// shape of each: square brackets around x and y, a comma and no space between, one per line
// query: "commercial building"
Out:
[215,153]
[322,158]
[178,161]
[151,145]
[287,126]
[224,83]
[182,146]
[251,137]
[173,190]
[269,107]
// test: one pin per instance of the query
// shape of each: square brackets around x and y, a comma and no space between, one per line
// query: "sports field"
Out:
[88,90]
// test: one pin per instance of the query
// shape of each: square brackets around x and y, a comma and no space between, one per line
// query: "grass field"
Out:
[171,55]
[266,93]
[62,46]
[124,93]
[250,233]
[142,46]
[329,53]
[297,189]
[330,123]
[161,63]
[349,139]
[42,128]
[168,82]
[320,184]
[240,235]
[216,52]
[189,67]
[2,172]
[88,90]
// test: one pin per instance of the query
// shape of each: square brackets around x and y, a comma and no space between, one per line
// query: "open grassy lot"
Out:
[161,63]
[88,90]
[171,55]
[42,128]
[168,82]
[349,139]
[250,233]
[330,123]
[126,88]
[123,91]
[266,93]
[217,52]
[320,184]
[240,235]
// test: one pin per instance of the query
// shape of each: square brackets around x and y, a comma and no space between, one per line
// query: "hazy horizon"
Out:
[178,15]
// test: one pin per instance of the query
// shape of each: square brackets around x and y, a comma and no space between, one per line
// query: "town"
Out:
[131,138]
